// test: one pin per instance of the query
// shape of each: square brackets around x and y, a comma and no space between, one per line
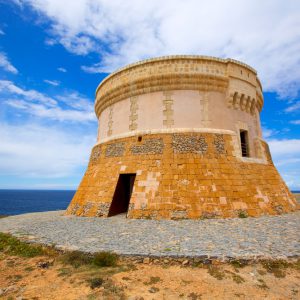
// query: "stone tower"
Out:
[180,137]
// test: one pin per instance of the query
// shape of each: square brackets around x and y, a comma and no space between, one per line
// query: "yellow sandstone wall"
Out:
[183,175]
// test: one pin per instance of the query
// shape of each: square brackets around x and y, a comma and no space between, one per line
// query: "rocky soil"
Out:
[49,278]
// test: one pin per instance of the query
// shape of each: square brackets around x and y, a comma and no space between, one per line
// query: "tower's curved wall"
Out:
[176,123]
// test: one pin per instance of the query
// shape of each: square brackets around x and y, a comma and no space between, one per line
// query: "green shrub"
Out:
[276,267]
[95,282]
[105,259]
[76,258]
[242,214]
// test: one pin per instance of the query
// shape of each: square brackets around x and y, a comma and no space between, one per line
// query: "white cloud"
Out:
[286,157]
[52,82]
[296,122]
[50,42]
[6,65]
[63,70]
[294,107]
[284,147]
[2,32]
[264,34]
[75,108]
[77,101]
[267,132]
[35,150]
[8,87]
[52,113]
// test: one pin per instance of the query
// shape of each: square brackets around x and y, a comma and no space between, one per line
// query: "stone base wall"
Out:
[182,175]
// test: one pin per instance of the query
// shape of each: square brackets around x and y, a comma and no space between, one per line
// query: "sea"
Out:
[15,202]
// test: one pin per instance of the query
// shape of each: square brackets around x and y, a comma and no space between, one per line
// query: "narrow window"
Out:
[244,143]
[140,138]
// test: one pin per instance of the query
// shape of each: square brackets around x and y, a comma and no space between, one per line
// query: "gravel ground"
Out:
[267,236]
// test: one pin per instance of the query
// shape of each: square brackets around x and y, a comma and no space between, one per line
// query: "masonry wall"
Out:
[179,109]
[183,175]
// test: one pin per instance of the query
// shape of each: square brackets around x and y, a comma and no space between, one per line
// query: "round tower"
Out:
[180,137]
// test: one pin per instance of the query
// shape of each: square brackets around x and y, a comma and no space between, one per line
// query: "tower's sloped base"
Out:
[182,175]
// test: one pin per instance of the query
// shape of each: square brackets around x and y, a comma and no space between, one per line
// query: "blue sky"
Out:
[54,53]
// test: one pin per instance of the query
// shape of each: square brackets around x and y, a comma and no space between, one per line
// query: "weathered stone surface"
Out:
[115,149]
[102,209]
[189,144]
[219,144]
[96,152]
[150,146]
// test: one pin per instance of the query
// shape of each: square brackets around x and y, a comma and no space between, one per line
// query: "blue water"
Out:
[15,202]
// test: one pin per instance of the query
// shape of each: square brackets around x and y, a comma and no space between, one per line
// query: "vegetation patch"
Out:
[105,259]
[153,280]
[76,258]
[216,272]
[112,291]
[29,269]
[12,246]
[239,263]
[194,296]
[262,284]
[99,259]
[276,267]
[296,265]
[95,282]
[242,214]
[237,278]
[65,272]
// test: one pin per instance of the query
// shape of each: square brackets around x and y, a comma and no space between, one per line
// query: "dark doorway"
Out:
[244,143]
[122,195]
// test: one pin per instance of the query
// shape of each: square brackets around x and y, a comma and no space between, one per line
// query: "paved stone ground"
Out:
[267,236]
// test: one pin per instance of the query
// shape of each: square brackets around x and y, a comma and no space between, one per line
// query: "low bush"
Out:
[95,282]
[99,259]
[76,258]
[105,259]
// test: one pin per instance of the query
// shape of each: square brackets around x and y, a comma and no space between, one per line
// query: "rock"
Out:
[185,262]
[166,261]
[146,260]
[153,289]
[45,264]
[156,261]
[11,289]
[1,292]
[207,261]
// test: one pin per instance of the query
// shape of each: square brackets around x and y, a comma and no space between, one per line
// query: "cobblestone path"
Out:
[267,236]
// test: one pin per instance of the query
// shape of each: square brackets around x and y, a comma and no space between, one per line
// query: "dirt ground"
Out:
[48,278]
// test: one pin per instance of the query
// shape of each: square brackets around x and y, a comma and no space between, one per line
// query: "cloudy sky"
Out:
[54,53]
